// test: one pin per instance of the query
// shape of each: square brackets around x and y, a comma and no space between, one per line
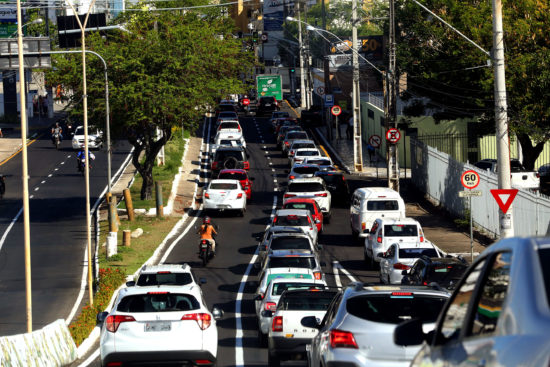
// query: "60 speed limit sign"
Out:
[470,179]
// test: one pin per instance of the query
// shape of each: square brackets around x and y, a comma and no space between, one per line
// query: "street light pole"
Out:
[303,93]
[391,108]
[326,70]
[357,143]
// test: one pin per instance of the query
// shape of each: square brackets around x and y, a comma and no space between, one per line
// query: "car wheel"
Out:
[262,339]
[273,360]
[327,218]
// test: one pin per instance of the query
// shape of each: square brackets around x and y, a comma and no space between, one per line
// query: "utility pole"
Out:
[303,93]
[390,107]
[357,143]
[501,118]
[326,68]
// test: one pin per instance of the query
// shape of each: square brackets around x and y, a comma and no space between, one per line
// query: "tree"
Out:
[454,75]
[165,72]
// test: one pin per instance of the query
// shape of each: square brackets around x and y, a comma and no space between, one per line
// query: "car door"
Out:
[320,342]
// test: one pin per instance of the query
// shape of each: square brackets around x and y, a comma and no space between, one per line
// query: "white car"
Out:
[165,274]
[297,144]
[302,170]
[402,257]
[227,115]
[95,138]
[303,153]
[228,138]
[385,232]
[313,188]
[225,195]
[299,218]
[231,126]
[320,161]
[171,324]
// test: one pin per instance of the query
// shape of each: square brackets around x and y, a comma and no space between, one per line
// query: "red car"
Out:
[238,174]
[307,204]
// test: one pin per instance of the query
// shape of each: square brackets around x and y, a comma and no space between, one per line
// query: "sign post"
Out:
[336,111]
[470,180]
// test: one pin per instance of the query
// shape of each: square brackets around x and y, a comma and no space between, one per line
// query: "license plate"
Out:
[158,326]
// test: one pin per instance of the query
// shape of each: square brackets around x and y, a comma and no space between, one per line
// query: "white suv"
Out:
[314,188]
[168,324]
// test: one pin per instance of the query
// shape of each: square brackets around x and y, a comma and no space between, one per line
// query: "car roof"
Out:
[225,147]
[297,280]
[191,288]
[307,149]
[398,220]
[284,229]
[224,181]
[293,234]
[377,190]
[297,141]
[282,212]
[290,253]
[360,288]
[303,165]
[173,268]
[307,179]
[289,270]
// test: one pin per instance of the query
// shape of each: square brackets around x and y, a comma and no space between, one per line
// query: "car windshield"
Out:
[223,186]
[279,288]
[400,230]
[161,278]
[332,178]
[306,170]
[158,302]
[226,107]
[290,243]
[306,301]
[230,142]
[411,253]
[222,155]
[291,262]
[291,220]
[300,206]
[232,176]
[305,187]
[444,274]
[296,135]
[307,153]
[227,114]
[302,145]
[320,161]
[229,125]
[382,205]
[544,257]
[396,307]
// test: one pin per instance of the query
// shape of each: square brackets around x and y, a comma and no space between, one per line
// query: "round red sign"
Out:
[336,110]
[393,135]
[470,179]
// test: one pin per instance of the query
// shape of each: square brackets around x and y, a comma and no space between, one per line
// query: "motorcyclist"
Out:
[207,231]
[57,130]
[82,155]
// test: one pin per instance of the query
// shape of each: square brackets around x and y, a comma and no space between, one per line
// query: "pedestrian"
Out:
[1,134]
[370,150]
[349,130]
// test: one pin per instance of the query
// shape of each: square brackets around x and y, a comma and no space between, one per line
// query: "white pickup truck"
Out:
[521,178]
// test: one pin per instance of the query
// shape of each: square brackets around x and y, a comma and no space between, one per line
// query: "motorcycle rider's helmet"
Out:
[206,220]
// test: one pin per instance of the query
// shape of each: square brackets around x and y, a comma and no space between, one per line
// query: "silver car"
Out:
[357,329]
[498,315]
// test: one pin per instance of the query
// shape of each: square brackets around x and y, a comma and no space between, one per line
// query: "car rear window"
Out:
[307,153]
[227,114]
[145,279]
[306,301]
[272,276]
[332,178]
[305,187]
[158,302]
[306,262]
[232,176]
[300,206]
[223,186]
[400,230]
[411,253]
[292,220]
[297,135]
[226,107]
[306,170]
[222,155]
[382,205]
[544,257]
[230,142]
[445,274]
[229,125]
[279,288]
[396,307]
[303,145]
[290,243]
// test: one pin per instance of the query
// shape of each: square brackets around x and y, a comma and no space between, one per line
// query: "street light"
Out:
[36,21]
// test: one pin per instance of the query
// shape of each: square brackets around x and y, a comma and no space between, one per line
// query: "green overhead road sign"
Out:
[270,85]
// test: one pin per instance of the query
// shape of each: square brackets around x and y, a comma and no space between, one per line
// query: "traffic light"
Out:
[255,37]
[292,70]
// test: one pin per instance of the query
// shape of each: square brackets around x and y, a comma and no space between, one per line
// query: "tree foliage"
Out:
[454,74]
[164,72]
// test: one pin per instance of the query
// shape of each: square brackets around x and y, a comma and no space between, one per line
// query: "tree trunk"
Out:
[530,152]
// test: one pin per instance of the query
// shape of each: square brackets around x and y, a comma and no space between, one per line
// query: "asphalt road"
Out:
[57,229]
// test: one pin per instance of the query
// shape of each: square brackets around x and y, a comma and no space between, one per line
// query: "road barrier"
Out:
[50,346]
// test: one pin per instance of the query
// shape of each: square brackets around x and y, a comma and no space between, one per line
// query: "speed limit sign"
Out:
[470,179]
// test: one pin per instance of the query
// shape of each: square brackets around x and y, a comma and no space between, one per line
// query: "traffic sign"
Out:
[393,135]
[470,179]
[320,91]
[329,100]
[465,194]
[264,37]
[246,101]
[375,141]
[504,198]
[336,110]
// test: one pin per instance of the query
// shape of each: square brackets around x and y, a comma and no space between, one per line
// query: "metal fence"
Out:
[437,174]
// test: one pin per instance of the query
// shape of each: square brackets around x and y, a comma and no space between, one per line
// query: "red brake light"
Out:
[158,292]
[246,165]
[164,272]
[342,339]
[317,275]
[401,293]
[287,143]
[277,324]
[275,219]
[289,195]
[203,361]
[206,195]
[270,306]
[400,266]
[112,322]
[239,195]
[203,319]
[292,177]
[324,195]
[214,165]
[379,239]
[421,238]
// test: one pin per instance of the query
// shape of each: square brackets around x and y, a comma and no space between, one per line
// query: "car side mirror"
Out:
[381,254]
[324,210]
[101,317]
[311,321]
[267,313]
[317,221]
[259,297]
[319,247]
[217,313]
[202,280]
[130,283]
[252,178]
[404,272]
[409,333]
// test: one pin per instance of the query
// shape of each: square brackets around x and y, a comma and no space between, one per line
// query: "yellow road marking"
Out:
[16,153]
[292,108]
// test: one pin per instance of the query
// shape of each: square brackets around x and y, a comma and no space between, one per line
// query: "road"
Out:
[57,228]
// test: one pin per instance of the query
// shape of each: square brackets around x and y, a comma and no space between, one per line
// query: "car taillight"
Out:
[291,152]
[206,195]
[421,238]
[270,306]
[291,177]
[214,165]
[203,319]
[239,196]
[113,321]
[277,324]
[246,165]
[289,195]
[317,275]
[114,364]
[379,239]
[275,219]
[287,143]
[342,339]
[538,175]
[239,128]
[203,361]
[363,226]
[400,266]
[324,195]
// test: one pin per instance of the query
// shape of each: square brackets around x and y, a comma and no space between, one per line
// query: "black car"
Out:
[267,105]
[337,186]
[230,158]
[445,271]
[312,117]
[544,175]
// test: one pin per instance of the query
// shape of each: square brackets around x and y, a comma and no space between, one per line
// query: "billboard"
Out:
[270,85]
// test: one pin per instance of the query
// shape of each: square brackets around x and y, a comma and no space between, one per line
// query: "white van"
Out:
[371,203]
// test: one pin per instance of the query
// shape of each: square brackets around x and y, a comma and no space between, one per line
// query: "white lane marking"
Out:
[56,169]
[50,175]
[270,164]
[62,163]
[90,359]
[239,351]
[275,181]
[337,264]
[336,274]
[43,182]
[30,197]
[264,147]
[273,170]
[9,227]
[262,140]
[36,188]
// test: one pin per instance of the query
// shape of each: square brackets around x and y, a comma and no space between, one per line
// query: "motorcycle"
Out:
[56,140]
[205,251]
[2,186]
[81,163]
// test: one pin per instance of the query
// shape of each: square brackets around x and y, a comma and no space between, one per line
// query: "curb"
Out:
[333,151]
